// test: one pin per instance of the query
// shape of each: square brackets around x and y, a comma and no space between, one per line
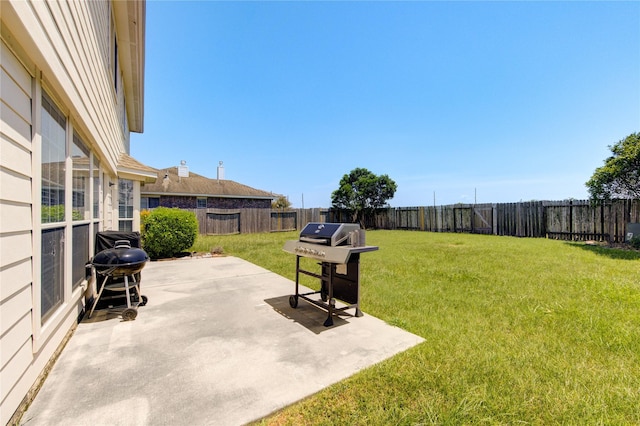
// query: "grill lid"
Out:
[119,260]
[329,234]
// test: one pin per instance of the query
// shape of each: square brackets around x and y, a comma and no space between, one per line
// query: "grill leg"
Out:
[357,261]
[330,301]
[126,290]
[297,274]
[329,321]
[95,302]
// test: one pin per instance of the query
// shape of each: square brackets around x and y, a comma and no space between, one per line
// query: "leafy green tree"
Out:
[620,175]
[362,193]
[281,203]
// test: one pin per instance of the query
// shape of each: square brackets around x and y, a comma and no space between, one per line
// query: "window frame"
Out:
[126,204]
[53,255]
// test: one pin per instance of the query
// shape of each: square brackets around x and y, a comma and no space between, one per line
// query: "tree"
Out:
[281,203]
[362,192]
[620,175]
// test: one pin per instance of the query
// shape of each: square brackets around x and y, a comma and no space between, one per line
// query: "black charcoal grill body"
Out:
[118,263]
[337,247]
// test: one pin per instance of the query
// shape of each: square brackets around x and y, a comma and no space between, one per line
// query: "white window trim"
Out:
[43,331]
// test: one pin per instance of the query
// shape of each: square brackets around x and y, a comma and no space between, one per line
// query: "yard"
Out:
[518,330]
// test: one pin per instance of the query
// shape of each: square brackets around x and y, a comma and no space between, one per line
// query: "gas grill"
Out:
[337,246]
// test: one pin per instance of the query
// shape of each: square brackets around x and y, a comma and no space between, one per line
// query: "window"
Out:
[202,203]
[52,272]
[96,188]
[114,54]
[80,210]
[54,154]
[80,179]
[125,205]
[147,203]
[80,253]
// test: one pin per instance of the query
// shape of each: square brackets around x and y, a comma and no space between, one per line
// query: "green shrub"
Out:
[50,214]
[635,242]
[168,232]
[144,214]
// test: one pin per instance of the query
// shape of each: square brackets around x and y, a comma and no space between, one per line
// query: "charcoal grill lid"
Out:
[120,257]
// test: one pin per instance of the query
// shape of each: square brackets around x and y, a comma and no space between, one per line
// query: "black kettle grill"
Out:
[118,265]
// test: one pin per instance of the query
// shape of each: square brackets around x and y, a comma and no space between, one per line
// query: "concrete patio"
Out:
[217,344]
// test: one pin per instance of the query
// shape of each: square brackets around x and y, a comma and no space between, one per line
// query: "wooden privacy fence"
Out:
[567,220]
[254,220]
[579,220]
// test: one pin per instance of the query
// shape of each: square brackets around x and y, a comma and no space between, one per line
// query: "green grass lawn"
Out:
[518,331]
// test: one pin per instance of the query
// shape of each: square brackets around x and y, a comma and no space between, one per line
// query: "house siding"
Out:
[88,81]
[16,227]
[63,49]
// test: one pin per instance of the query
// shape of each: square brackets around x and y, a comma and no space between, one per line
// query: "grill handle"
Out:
[122,244]
[314,240]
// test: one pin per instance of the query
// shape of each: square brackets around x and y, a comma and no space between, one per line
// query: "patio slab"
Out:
[217,344]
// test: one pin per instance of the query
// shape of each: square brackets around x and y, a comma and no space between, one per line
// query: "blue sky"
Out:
[468,101]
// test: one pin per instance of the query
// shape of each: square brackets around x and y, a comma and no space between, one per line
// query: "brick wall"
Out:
[179,202]
[237,203]
[186,202]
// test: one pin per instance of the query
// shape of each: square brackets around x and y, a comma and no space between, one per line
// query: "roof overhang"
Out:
[130,21]
[130,168]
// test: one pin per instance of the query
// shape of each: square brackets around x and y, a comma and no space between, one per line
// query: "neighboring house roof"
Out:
[198,185]
[127,165]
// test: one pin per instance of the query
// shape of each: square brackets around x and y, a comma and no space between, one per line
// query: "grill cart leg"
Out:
[357,261]
[126,290]
[330,303]
[293,300]
[130,313]
[297,275]
[95,302]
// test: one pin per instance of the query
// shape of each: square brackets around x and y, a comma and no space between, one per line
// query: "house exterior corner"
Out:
[71,92]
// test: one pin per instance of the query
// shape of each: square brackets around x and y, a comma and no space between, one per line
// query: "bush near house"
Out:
[144,215]
[167,232]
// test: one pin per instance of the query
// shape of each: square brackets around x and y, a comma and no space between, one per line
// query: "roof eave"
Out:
[130,19]
[141,175]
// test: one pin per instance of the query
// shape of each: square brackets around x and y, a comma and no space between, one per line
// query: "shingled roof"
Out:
[129,165]
[198,185]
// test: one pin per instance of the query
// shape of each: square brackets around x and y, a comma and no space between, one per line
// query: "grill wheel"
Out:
[129,314]
[293,301]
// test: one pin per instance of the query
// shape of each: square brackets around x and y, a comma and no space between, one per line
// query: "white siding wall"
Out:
[74,39]
[64,48]
[15,224]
